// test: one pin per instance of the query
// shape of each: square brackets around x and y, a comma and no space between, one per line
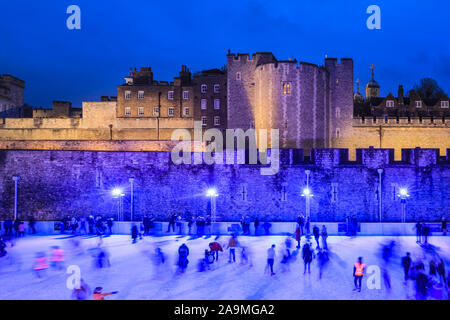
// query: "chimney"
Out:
[400,94]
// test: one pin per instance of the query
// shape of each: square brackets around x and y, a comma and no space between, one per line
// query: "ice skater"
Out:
[40,264]
[82,292]
[215,247]
[172,220]
[298,235]
[418,228]
[308,256]
[98,295]
[286,259]
[232,244]
[57,258]
[3,251]
[270,260]
[183,253]
[406,264]
[358,273]
[206,262]
[322,258]
[134,233]
[316,235]
[324,235]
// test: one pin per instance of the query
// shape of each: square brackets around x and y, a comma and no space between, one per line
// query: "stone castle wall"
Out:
[94,125]
[56,183]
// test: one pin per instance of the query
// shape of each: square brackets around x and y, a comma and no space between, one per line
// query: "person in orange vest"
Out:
[40,264]
[98,295]
[358,273]
[58,257]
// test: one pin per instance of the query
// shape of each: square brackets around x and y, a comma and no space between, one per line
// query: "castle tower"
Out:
[341,100]
[372,88]
[358,98]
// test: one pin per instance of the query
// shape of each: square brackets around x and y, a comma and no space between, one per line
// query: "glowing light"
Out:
[117,192]
[306,192]
[211,192]
[403,192]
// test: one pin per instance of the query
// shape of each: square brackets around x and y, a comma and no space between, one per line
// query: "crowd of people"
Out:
[426,276]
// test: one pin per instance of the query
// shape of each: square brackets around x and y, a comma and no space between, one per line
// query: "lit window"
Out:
[286,88]
[140,95]
[170,95]
[185,95]
[238,76]
[216,121]
[155,111]
[141,111]
[127,95]
[170,112]
[203,104]
[216,104]
[338,113]
[186,111]
[204,87]
[390,103]
[418,104]
[216,88]
[204,121]
[127,111]
[444,104]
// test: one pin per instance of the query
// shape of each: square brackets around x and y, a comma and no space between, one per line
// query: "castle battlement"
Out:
[428,122]
[328,158]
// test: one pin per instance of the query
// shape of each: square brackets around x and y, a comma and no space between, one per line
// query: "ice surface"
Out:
[134,274]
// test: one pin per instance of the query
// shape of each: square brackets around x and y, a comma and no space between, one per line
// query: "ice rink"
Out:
[134,274]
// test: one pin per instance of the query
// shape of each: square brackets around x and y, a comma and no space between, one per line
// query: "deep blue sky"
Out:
[82,65]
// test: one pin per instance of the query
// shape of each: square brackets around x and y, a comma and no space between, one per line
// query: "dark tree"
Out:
[429,89]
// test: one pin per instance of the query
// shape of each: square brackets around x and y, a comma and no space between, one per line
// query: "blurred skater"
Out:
[40,264]
[57,258]
[324,235]
[322,258]
[183,253]
[298,235]
[316,235]
[406,264]
[134,233]
[308,256]
[83,292]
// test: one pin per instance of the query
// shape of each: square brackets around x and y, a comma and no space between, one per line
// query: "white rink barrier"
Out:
[277,228]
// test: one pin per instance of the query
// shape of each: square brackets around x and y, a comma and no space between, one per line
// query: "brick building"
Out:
[210,101]
[11,92]
[201,97]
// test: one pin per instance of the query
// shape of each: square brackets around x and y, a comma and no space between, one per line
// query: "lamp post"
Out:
[212,194]
[16,180]
[380,171]
[403,194]
[132,198]
[307,194]
[117,193]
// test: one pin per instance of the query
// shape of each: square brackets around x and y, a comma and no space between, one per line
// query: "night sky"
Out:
[82,65]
